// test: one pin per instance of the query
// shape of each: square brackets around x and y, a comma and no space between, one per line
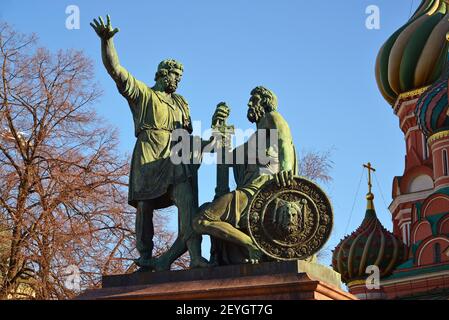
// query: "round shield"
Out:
[292,222]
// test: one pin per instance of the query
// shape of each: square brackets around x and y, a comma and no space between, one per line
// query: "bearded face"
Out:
[171,80]
[287,217]
[255,109]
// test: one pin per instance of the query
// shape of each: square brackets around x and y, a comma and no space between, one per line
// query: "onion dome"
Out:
[432,107]
[413,57]
[370,244]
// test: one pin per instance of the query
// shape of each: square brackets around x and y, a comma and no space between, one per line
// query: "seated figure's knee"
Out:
[200,223]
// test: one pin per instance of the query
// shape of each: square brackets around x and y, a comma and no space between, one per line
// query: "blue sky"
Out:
[317,56]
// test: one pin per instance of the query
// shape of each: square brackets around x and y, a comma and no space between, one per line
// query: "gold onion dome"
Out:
[413,57]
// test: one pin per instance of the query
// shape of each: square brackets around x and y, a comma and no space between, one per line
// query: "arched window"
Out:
[445,164]
[420,183]
[406,233]
[437,253]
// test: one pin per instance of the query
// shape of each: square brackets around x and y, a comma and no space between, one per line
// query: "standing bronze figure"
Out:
[155,181]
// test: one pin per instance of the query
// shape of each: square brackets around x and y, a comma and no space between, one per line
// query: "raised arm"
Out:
[108,52]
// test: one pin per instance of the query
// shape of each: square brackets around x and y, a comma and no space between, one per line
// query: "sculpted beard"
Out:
[289,222]
[255,113]
[170,84]
[289,227]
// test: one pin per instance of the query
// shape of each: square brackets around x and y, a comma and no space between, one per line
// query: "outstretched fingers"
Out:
[101,21]
[97,24]
[109,26]
[103,30]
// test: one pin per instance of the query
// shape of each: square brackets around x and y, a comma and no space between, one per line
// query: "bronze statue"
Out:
[223,218]
[155,181]
[272,214]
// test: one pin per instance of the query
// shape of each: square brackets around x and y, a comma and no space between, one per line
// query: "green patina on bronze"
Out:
[224,218]
[155,181]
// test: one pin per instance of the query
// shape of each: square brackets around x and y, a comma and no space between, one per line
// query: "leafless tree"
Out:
[62,181]
[316,165]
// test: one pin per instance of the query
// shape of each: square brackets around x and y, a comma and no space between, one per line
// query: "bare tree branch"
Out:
[63,185]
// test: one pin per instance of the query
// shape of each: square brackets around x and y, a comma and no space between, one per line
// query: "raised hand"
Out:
[220,114]
[105,32]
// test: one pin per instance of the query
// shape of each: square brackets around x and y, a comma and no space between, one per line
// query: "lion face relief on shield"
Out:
[289,216]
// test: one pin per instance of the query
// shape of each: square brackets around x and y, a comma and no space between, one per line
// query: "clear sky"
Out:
[317,56]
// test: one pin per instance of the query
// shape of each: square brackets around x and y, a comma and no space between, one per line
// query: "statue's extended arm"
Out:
[286,152]
[111,61]
[108,52]
[286,156]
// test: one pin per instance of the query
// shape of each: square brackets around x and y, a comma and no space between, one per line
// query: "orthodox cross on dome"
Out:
[369,195]
[370,168]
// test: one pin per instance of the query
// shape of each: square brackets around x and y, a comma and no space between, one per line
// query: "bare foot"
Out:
[255,255]
[161,265]
[199,262]
[145,264]
[145,269]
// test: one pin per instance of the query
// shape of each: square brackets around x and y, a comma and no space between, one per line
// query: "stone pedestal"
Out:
[287,280]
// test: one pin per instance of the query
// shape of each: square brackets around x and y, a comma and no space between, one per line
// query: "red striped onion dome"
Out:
[432,107]
[370,244]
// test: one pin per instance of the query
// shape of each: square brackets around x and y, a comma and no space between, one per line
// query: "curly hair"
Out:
[165,66]
[269,99]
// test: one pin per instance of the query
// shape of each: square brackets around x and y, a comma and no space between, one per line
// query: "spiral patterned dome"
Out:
[370,244]
[413,57]
[432,107]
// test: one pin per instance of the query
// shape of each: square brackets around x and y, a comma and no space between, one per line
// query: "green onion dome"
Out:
[413,57]
[370,244]
[432,107]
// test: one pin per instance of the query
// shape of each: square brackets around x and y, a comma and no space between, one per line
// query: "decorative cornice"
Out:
[413,93]
[409,197]
[409,95]
[423,274]
[357,282]
[441,186]
[438,136]
[403,212]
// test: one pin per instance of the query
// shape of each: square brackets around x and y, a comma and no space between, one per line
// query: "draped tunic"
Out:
[155,117]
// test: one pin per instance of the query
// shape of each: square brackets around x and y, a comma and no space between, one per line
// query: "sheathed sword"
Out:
[223,132]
